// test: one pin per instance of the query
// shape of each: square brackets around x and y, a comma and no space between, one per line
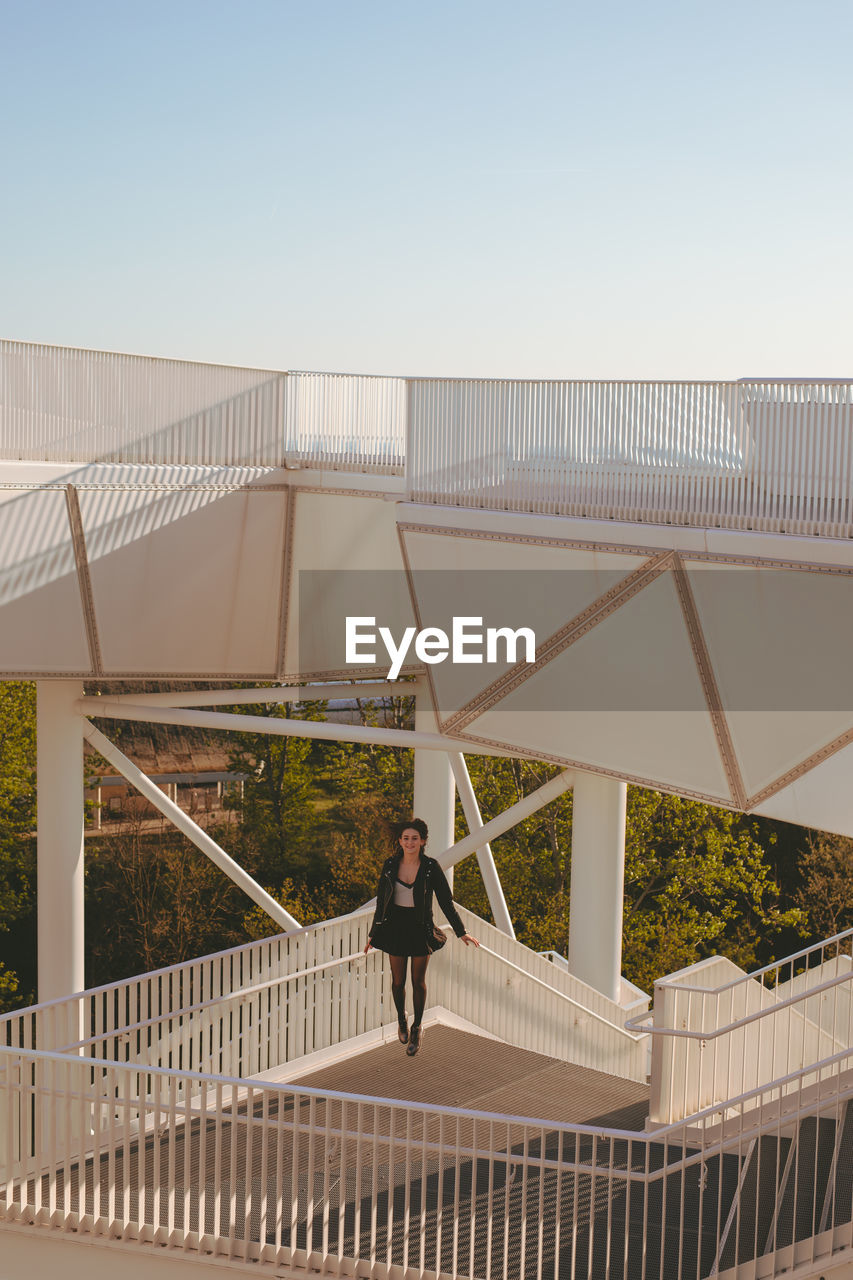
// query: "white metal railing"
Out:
[515,994]
[237,1013]
[242,1169]
[254,1008]
[536,963]
[718,1031]
[115,1136]
[346,421]
[60,404]
[769,455]
[756,455]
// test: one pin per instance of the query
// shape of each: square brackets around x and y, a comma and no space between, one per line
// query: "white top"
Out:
[403,894]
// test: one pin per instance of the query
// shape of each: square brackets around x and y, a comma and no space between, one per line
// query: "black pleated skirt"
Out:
[401,934]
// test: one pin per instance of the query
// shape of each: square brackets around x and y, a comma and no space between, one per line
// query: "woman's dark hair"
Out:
[416,824]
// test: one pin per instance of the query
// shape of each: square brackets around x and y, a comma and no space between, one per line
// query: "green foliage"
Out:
[697,880]
[316,815]
[10,990]
[17,846]
[17,793]
[153,899]
[353,866]
[533,858]
[279,797]
[697,883]
[826,868]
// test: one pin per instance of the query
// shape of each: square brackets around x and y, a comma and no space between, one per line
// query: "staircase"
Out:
[148,1112]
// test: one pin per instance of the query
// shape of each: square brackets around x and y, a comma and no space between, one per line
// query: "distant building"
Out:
[199,781]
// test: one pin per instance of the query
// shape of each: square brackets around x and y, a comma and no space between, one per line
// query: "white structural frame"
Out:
[111,709]
[61,936]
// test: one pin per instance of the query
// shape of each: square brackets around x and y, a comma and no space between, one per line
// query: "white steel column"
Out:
[435,789]
[598,876]
[59,754]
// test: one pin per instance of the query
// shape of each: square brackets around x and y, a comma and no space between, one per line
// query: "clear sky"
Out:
[605,189]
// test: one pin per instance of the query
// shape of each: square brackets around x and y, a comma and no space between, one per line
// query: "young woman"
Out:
[403,925]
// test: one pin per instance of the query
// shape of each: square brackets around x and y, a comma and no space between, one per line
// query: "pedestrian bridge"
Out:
[682,552]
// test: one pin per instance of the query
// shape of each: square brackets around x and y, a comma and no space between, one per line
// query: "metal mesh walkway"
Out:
[459,1069]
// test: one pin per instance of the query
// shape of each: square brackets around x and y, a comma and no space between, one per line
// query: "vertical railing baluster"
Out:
[296,1165]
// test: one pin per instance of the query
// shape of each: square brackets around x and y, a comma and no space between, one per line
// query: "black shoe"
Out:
[416,1039]
[402,1031]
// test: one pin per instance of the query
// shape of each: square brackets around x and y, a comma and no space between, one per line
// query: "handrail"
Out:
[715,1109]
[63,1108]
[562,994]
[800,998]
[242,992]
[180,967]
[239,993]
[279,1086]
[758,973]
[65,1111]
[766,454]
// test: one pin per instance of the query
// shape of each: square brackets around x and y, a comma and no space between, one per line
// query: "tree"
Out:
[312,807]
[354,860]
[826,868]
[153,899]
[533,858]
[279,794]
[17,846]
[697,883]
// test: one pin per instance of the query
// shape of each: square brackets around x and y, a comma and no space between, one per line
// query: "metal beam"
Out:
[190,829]
[485,860]
[112,709]
[284,582]
[509,818]
[289,693]
[84,578]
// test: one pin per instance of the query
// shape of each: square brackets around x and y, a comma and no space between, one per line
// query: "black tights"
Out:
[398,985]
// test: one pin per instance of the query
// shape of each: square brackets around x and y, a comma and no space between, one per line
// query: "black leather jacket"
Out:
[429,880]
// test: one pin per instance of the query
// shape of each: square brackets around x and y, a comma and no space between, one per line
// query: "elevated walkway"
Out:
[675,547]
[458,1068]
[476,1158]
